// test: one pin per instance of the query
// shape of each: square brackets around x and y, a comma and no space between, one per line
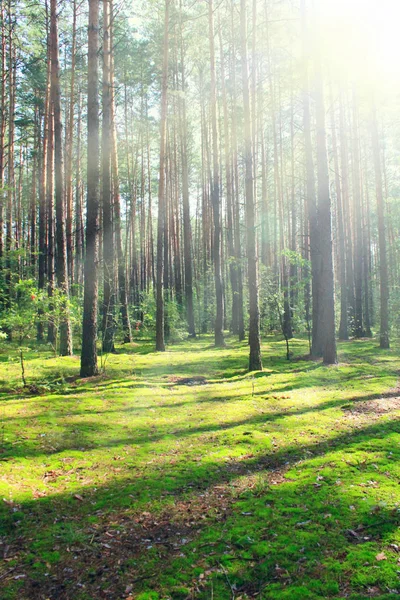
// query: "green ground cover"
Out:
[179,475]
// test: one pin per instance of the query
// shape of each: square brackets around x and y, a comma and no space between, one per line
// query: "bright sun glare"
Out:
[369,29]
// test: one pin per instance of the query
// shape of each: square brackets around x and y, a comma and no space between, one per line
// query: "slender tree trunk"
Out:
[10,166]
[383,267]
[79,227]
[108,234]
[343,330]
[357,219]
[326,306]
[311,204]
[187,229]
[32,208]
[215,190]
[2,129]
[254,327]
[69,151]
[42,199]
[51,331]
[65,333]
[347,220]
[123,298]
[160,309]
[89,328]
[233,273]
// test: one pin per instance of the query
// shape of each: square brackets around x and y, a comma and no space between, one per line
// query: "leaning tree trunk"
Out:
[254,326]
[89,326]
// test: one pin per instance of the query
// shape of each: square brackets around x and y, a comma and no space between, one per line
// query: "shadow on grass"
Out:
[33,529]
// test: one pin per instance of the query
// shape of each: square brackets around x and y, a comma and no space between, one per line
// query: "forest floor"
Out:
[179,475]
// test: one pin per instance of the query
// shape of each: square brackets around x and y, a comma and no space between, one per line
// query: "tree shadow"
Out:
[36,527]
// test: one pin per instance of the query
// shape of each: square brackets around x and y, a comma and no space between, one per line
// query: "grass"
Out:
[179,475]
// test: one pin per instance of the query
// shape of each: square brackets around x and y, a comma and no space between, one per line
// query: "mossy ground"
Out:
[283,485]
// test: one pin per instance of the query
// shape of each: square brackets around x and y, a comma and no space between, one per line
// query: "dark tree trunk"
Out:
[89,330]
[343,329]
[108,234]
[311,204]
[383,267]
[326,305]
[2,130]
[255,363]
[187,230]
[215,192]
[123,298]
[357,219]
[160,309]
[65,333]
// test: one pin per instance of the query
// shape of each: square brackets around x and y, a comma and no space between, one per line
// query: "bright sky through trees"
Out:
[369,29]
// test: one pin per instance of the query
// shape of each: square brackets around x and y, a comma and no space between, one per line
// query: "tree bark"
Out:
[326,303]
[89,366]
[123,298]
[65,333]
[255,363]
[108,233]
[215,190]
[160,309]
[383,266]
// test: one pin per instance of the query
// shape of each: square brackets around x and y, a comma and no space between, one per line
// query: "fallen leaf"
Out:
[381,556]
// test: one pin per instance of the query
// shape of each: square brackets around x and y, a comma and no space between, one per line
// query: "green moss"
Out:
[283,484]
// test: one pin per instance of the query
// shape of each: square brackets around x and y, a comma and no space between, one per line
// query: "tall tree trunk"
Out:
[326,304]
[123,298]
[347,220]
[108,234]
[383,267]
[215,190]
[254,325]
[89,326]
[233,274]
[10,158]
[2,128]
[65,333]
[312,242]
[343,330]
[160,308]
[43,196]
[357,219]
[187,229]
[69,151]
[51,331]
[79,228]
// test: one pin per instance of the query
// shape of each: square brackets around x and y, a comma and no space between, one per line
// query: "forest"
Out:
[199,309]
